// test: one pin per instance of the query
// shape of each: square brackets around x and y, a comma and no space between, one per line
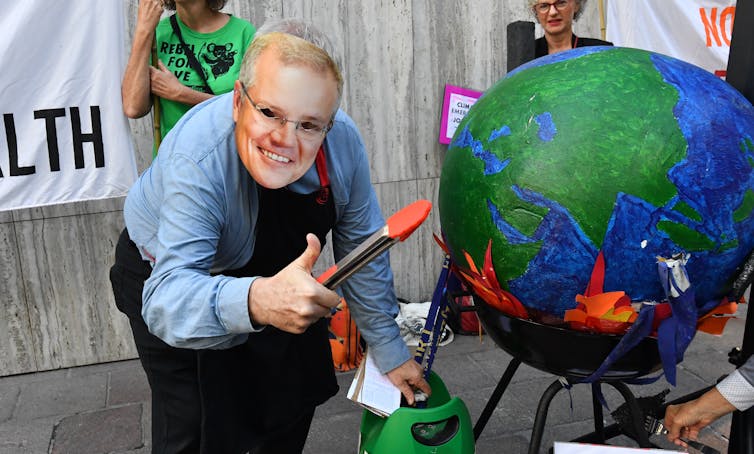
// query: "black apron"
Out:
[259,389]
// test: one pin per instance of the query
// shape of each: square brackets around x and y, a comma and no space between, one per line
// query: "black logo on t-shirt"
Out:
[219,57]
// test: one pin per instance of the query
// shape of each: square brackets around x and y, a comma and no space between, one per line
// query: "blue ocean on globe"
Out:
[621,151]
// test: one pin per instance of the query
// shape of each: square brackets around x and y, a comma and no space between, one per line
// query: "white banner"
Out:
[63,136]
[696,31]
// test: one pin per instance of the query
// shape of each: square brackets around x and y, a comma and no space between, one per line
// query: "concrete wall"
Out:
[55,299]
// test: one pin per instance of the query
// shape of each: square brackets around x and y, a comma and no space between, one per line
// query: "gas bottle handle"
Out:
[436,433]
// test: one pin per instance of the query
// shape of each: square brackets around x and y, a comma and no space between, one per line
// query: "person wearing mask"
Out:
[214,266]
[182,77]
[557,18]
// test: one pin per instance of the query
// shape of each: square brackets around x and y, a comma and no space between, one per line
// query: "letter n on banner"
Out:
[695,31]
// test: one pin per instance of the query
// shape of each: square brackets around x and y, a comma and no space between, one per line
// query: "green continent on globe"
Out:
[578,132]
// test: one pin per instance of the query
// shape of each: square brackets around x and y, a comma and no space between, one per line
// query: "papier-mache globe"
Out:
[605,159]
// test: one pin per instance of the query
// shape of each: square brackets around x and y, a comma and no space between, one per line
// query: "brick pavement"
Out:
[105,408]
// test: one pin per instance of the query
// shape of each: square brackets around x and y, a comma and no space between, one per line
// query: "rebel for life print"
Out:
[216,60]
[219,54]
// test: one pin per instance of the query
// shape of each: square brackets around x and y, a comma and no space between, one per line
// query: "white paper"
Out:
[580,448]
[377,394]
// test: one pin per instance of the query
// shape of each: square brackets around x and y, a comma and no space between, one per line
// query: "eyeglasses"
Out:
[544,7]
[275,119]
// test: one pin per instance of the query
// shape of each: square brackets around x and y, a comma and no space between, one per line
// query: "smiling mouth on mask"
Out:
[273,156]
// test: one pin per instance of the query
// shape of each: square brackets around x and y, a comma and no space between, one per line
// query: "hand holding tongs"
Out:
[399,226]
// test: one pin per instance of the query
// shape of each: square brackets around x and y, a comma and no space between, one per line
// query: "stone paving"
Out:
[105,408]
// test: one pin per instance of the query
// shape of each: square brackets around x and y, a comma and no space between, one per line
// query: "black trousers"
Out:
[178,419]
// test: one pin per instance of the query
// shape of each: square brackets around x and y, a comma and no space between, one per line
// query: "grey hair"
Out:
[305,31]
[297,43]
[581,4]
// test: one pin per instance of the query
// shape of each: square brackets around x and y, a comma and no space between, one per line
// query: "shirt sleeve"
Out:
[183,304]
[738,387]
[369,293]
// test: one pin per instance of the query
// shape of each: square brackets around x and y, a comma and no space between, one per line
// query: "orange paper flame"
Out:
[487,287]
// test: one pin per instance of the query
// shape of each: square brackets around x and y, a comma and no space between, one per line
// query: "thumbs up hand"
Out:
[292,299]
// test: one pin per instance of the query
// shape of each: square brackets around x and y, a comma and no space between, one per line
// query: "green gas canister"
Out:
[443,426]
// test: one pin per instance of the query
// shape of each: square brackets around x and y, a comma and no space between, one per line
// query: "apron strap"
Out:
[324,179]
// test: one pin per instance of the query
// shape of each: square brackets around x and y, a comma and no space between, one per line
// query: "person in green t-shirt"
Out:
[217,41]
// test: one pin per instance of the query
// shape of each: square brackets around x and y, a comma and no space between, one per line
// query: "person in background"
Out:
[214,266]
[182,77]
[556,18]
[735,392]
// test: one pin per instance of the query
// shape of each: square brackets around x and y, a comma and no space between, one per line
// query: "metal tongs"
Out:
[399,226]
[656,427]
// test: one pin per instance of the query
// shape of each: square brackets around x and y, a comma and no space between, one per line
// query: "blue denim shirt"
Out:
[193,212]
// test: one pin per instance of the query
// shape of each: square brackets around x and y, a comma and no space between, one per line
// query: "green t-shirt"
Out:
[219,53]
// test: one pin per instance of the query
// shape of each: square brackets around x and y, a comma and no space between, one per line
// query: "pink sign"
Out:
[457,103]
